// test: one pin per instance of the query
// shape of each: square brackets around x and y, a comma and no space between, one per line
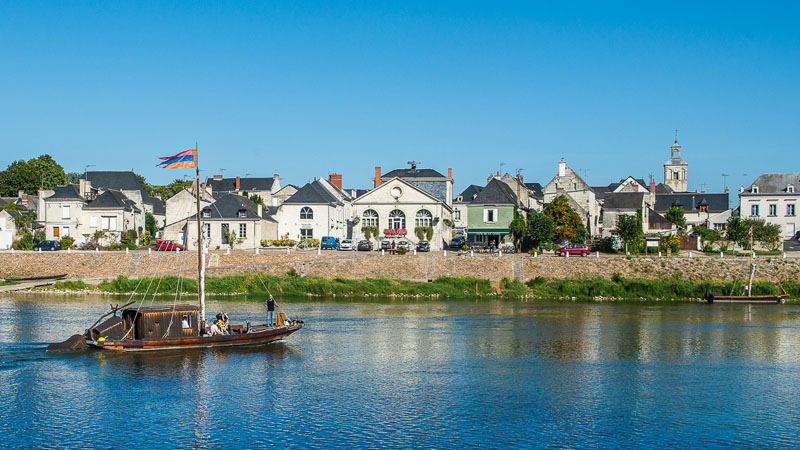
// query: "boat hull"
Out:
[137,345]
[755,299]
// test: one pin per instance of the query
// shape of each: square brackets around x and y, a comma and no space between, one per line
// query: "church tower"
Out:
[675,169]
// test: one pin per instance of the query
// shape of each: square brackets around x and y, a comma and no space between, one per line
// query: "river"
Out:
[423,374]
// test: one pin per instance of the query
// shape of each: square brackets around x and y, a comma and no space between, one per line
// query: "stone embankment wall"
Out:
[89,265]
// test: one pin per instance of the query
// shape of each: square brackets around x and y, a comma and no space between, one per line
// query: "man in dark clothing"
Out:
[270,305]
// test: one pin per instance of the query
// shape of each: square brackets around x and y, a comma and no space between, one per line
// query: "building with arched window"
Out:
[317,209]
[396,209]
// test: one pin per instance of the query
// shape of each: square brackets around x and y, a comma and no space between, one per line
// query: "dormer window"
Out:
[704,208]
[242,213]
[790,188]
[206,213]
[460,199]
[754,190]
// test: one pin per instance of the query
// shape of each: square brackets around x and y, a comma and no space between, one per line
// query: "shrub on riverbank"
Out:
[625,288]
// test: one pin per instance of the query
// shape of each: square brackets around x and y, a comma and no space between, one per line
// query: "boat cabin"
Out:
[159,322]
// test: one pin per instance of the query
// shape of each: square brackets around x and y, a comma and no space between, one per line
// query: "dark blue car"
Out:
[458,241]
[46,246]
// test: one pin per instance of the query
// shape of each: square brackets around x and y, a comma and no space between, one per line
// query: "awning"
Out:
[488,231]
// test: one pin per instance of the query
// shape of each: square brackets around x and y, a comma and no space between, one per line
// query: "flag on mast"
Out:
[184,159]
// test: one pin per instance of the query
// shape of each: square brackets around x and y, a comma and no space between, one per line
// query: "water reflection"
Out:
[415,374]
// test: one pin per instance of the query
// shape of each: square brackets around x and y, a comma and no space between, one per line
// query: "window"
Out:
[719,226]
[108,223]
[754,190]
[370,218]
[306,213]
[397,219]
[242,213]
[306,233]
[773,210]
[206,213]
[490,215]
[574,186]
[65,231]
[186,321]
[224,229]
[56,232]
[243,231]
[65,212]
[207,230]
[790,188]
[480,239]
[753,210]
[424,218]
[704,208]
[458,214]
[790,210]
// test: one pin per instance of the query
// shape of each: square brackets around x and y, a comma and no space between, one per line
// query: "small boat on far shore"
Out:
[716,297]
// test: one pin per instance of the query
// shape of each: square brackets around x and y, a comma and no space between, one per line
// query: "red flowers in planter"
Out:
[395,232]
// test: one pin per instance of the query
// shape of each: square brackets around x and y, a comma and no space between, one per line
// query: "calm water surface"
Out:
[415,375]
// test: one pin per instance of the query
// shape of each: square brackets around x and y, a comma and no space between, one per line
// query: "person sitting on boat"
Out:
[270,305]
[215,330]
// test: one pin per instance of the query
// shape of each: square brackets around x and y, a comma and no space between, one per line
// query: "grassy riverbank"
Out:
[584,289]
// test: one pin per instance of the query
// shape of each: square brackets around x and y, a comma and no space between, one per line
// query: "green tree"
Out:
[518,229]
[629,228]
[540,229]
[170,189]
[49,173]
[736,231]
[567,223]
[148,188]
[150,223]
[29,176]
[675,215]
[73,177]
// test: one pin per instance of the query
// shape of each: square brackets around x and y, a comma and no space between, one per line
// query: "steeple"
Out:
[675,170]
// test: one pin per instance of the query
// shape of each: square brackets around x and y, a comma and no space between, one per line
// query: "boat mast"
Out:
[752,266]
[201,291]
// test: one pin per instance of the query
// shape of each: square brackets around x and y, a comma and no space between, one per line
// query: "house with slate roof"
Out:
[699,208]
[264,187]
[94,183]
[179,208]
[490,214]
[579,195]
[249,222]
[429,180]
[397,206]
[773,197]
[461,205]
[317,209]
[63,211]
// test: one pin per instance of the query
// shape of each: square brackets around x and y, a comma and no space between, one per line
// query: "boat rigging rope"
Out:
[178,286]
[144,297]
[264,284]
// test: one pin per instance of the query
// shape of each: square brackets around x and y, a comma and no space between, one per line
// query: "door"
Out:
[790,230]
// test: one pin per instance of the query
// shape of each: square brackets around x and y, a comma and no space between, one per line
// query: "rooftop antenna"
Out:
[676,135]
[222,172]
[501,166]
[702,187]
[247,175]
[86,170]
[413,164]
[724,181]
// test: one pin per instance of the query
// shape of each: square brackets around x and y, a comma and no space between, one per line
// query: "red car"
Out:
[573,250]
[168,245]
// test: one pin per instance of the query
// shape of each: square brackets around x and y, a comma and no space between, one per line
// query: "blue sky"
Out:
[308,88]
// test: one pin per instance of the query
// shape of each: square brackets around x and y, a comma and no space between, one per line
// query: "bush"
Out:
[145,238]
[283,243]
[401,251]
[23,243]
[67,242]
[607,245]
[127,239]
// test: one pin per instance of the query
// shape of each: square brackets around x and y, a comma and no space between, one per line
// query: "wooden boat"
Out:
[175,326]
[717,297]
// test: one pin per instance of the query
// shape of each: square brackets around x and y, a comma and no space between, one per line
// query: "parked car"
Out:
[346,244]
[424,246]
[48,246]
[329,243]
[797,236]
[364,246]
[573,249]
[168,245]
[386,245]
[458,242]
[404,244]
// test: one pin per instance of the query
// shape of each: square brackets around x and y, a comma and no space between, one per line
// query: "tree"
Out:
[540,229]
[629,228]
[30,175]
[73,177]
[170,189]
[518,229]
[768,234]
[230,236]
[150,223]
[736,231]
[675,215]
[567,223]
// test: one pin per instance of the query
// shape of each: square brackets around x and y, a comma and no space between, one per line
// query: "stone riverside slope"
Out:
[91,265]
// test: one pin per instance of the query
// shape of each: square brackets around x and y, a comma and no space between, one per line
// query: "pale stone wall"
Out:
[372,265]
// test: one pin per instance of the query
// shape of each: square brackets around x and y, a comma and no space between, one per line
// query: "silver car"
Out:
[346,244]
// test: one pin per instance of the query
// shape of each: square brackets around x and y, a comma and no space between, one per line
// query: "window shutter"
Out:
[93,221]
[112,223]
[65,212]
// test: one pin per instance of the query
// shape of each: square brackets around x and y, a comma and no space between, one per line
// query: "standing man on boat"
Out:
[270,305]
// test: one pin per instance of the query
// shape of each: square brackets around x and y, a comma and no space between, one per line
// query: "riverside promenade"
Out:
[90,266]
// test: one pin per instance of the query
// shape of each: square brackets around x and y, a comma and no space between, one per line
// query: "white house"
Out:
[314,211]
[179,208]
[773,197]
[396,207]
[248,222]
[580,195]
[264,187]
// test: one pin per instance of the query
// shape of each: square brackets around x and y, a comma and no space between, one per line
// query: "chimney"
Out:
[489,178]
[519,177]
[238,183]
[217,177]
[20,193]
[84,188]
[275,176]
[450,172]
[727,189]
[562,168]
[652,185]
[377,178]
[260,210]
[335,179]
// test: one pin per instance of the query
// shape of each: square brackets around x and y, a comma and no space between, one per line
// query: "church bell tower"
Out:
[675,169]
